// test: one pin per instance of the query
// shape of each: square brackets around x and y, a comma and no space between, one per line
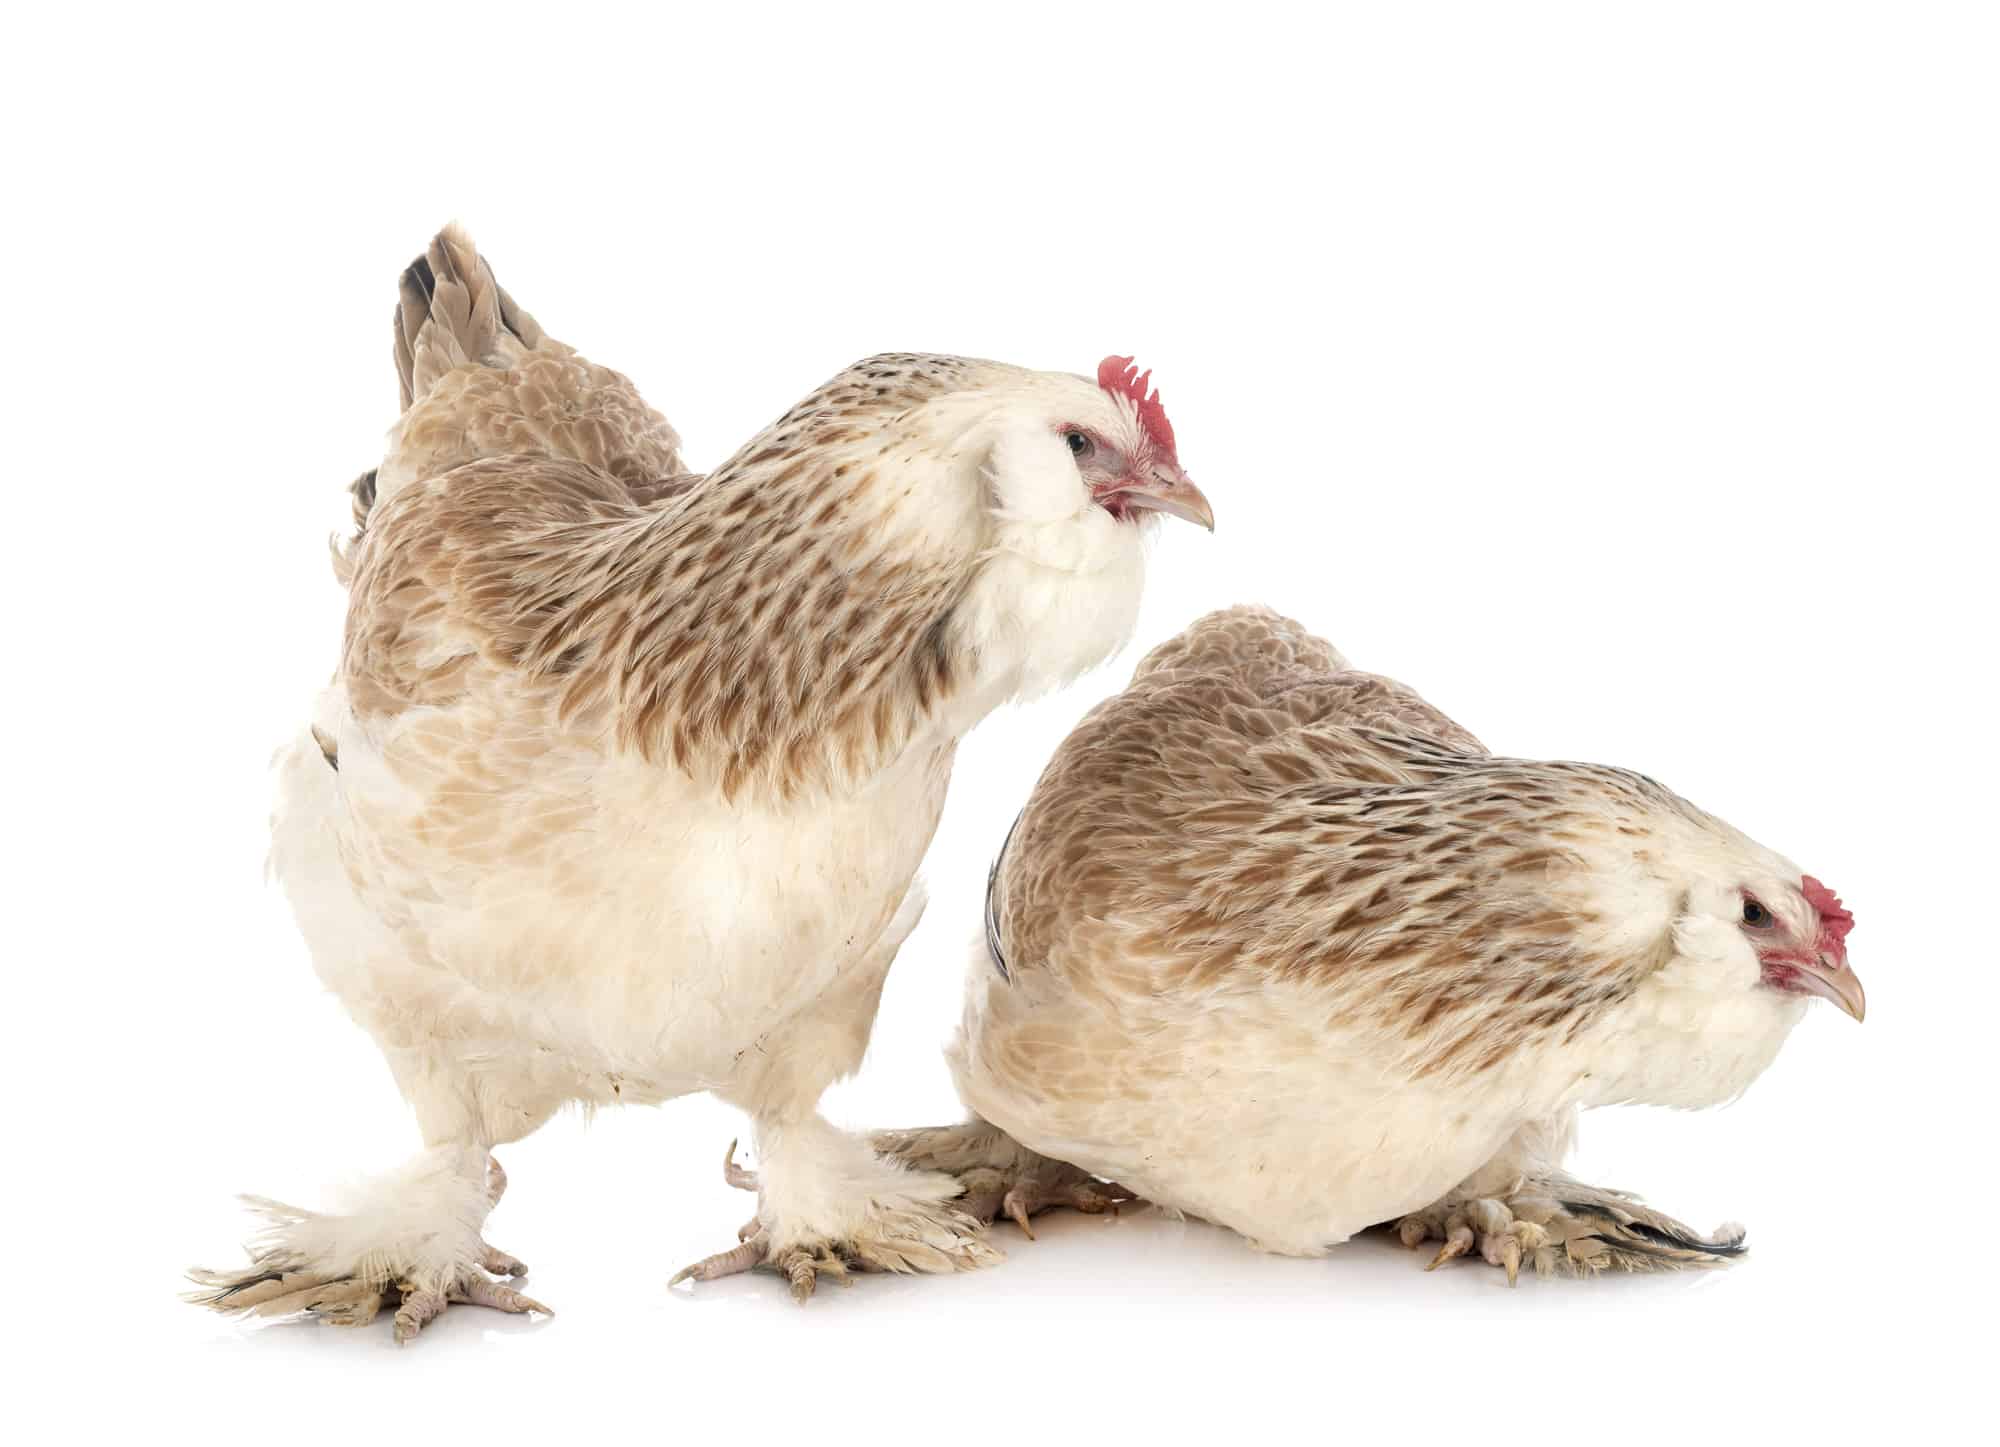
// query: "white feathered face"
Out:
[1751,939]
[1067,447]
[1770,929]
[1071,473]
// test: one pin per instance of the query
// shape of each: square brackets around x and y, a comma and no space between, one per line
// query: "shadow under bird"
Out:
[621,784]
[1277,944]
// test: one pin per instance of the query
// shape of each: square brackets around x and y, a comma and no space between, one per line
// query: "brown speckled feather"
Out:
[1242,813]
[761,624]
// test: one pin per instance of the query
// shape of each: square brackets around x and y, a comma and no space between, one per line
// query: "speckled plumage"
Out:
[1286,948]
[621,786]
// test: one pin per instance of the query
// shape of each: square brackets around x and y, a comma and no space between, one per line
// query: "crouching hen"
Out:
[620,788]
[1277,944]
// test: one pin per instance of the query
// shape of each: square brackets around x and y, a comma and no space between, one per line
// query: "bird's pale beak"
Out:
[1830,977]
[1173,492]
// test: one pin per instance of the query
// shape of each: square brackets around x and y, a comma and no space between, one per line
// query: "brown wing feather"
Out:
[423,607]
[1229,827]
[752,628]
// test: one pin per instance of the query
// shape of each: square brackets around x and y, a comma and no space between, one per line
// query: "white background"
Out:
[1622,377]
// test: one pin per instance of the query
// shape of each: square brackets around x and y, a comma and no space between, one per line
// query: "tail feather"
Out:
[453,312]
[479,378]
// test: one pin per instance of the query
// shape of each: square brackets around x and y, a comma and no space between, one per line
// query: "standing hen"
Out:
[621,785]
[1278,944]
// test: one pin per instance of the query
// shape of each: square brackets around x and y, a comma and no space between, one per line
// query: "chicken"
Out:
[621,786]
[1277,944]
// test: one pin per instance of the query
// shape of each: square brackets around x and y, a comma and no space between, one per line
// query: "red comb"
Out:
[1834,917]
[1121,378]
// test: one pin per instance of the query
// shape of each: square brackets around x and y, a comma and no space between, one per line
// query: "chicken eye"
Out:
[1079,445]
[1755,915]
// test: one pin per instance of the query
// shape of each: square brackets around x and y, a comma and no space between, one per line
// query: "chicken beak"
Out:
[1831,978]
[1173,492]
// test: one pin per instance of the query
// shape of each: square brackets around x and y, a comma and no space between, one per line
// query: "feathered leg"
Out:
[827,1204]
[411,1239]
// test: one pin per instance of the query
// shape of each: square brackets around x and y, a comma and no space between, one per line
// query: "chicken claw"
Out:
[1001,1176]
[803,1265]
[1562,1225]
[748,1254]
[423,1305]
[735,1175]
[1457,1241]
[907,1235]
[990,1193]
[281,1283]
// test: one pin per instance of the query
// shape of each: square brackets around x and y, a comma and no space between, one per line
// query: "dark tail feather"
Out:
[452,312]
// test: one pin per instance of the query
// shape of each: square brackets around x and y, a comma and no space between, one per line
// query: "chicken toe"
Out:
[1559,1225]
[423,1304]
[903,1233]
[1001,1176]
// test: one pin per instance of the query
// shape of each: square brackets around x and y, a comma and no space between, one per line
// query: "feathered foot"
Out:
[1562,1225]
[897,1231]
[288,1276]
[1000,1175]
